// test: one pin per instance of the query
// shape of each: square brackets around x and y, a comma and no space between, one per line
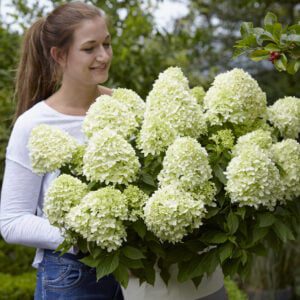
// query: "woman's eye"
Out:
[106,45]
[88,49]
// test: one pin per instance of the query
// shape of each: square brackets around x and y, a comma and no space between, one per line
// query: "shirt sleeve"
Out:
[19,199]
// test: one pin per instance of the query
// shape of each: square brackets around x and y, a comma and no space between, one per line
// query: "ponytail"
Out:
[35,79]
[38,75]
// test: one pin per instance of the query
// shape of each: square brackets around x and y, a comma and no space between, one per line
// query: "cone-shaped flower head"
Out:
[234,97]
[99,218]
[110,158]
[111,113]
[50,148]
[261,138]
[253,179]
[286,154]
[185,165]
[132,100]
[171,111]
[284,114]
[171,214]
[64,193]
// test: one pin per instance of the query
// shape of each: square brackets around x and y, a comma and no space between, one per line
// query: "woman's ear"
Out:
[58,56]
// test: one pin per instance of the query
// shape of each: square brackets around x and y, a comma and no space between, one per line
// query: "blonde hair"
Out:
[38,74]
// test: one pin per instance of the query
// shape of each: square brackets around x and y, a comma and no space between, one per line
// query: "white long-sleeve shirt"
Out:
[22,220]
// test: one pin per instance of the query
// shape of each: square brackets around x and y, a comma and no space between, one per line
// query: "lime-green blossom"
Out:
[253,179]
[286,154]
[284,114]
[234,97]
[50,148]
[259,137]
[199,93]
[224,139]
[171,111]
[185,165]
[99,218]
[111,113]
[110,158]
[136,200]
[133,101]
[205,192]
[171,214]
[64,193]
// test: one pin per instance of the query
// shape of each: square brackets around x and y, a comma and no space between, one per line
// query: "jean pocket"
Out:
[62,276]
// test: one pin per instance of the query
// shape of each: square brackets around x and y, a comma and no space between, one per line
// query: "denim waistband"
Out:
[67,257]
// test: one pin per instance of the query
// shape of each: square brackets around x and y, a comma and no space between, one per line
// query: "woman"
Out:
[65,57]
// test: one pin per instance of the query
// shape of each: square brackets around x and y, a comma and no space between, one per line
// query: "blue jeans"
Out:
[64,277]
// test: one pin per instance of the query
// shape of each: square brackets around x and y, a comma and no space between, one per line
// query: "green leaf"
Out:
[258,55]
[89,261]
[246,28]
[148,179]
[213,237]
[283,232]
[140,228]
[121,275]
[212,211]
[293,66]
[132,252]
[272,47]
[156,248]
[219,173]
[270,19]
[197,281]
[281,63]
[187,270]
[149,273]
[232,223]
[225,251]
[132,264]
[258,234]
[266,219]
[107,264]
[241,211]
[258,249]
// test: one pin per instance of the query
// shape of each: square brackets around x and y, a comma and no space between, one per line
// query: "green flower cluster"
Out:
[186,166]
[234,97]
[286,155]
[99,218]
[260,137]
[136,200]
[284,114]
[111,113]
[171,111]
[133,102]
[224,139]
[64,193]
[253,179]
[50,148]
[171,214]
[110,158]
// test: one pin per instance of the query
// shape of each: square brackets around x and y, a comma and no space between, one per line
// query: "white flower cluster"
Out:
[234,97]
[261,138]
[133,102]
[171,214]
[136,200]
[284,114]
[50,148]
[286,155]
[110,158]
[111,113]
[186,166]
[253,179]
[64,193]
[171,111]
[99,218]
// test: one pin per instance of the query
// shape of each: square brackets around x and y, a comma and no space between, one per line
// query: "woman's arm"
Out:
[19,200]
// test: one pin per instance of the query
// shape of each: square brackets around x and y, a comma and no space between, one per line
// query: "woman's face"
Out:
[90,54]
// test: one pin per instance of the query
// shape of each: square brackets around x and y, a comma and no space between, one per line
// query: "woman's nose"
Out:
[101,54]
